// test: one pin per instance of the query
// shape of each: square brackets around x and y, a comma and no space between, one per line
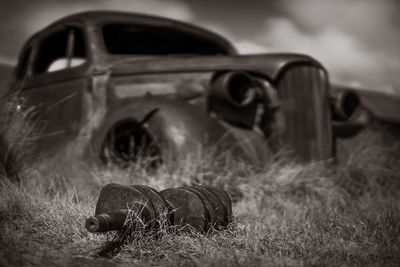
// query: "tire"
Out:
[128,143]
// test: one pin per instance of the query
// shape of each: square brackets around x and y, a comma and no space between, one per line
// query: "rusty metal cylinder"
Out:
[106,221]
[199,207]
[194,207]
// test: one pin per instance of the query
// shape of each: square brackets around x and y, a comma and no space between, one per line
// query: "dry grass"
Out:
[285,214]
[17,132]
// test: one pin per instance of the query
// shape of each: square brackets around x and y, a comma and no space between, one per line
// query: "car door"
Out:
[57,81]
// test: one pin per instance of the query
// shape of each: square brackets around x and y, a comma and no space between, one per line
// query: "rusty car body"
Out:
[112,86]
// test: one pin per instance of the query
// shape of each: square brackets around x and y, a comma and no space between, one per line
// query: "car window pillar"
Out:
[70,47]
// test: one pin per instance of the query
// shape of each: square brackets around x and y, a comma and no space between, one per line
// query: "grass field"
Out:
[286,214]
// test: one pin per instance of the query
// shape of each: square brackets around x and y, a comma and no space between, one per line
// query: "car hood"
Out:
[270,65]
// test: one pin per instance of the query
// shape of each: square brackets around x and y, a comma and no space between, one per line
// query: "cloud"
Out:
[356,40]
[372,22]
[244,46]
[249,47]
[340,52]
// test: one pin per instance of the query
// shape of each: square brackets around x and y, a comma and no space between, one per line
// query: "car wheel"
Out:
[129,143]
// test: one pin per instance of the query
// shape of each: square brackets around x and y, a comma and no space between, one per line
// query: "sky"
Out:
[358,41]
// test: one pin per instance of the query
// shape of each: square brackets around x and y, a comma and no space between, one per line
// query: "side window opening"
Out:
[61,50]
[136,39]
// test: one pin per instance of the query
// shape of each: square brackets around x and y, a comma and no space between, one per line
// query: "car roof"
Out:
[100,17]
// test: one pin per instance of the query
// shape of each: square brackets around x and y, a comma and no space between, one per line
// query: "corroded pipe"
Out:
[195,207]
[106,222]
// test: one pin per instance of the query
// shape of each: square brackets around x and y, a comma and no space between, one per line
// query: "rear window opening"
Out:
[155,40]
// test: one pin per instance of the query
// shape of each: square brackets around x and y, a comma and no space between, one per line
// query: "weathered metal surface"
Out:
[186,208]
[381,106]
[212,206]
[220,212]
[60,105]
[348,114]
[210,215]
[115,197]
[106,221]
[233,97]
[303,91]
[225,201]
[155,199]
[268,65]
[119,198]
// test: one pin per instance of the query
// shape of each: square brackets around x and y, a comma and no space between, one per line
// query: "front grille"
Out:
[303,92]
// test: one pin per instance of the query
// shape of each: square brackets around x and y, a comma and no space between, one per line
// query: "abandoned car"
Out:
[114,86]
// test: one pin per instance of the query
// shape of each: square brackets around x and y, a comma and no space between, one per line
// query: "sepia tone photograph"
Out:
[199,133]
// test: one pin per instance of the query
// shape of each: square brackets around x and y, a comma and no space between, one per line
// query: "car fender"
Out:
[177,128]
